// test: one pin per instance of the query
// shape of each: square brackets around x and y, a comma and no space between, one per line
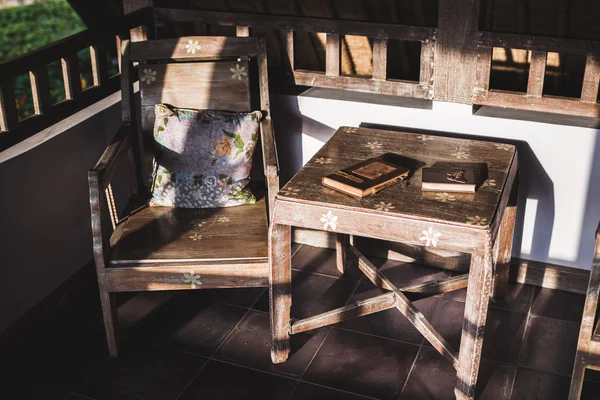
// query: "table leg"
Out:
[280,290]
[341,251]
[504,242]
[476,308]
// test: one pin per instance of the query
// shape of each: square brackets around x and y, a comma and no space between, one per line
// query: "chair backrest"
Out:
[198,72]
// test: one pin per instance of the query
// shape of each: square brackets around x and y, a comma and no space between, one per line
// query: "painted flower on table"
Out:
[323,160]
[444,197]
[192,279]
[430,237]
[383,206]
[148,76]
[460,155]
[192,46]
[238,72]
[373,145]
[488,183]
[476,220]
[329,220]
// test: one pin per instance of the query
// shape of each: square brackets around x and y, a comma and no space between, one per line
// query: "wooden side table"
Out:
[480,224]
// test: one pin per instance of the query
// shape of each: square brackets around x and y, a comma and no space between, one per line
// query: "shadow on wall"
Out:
[591,216]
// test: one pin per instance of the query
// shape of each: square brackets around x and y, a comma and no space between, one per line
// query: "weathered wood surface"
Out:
[179,276]
[40,90]
[351,144]
[380,59]
[538,43]
[287,23]
[360,308]
[591,79]
[333,55]
[427,63]
[280,290]
[537,71]
[193,48]
[71,77]
[166,234]
[550,104]
[476,306]
[455,51]
[341,251]
[588,345]
[407,309]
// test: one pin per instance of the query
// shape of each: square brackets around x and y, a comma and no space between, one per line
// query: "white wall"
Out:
[559,197]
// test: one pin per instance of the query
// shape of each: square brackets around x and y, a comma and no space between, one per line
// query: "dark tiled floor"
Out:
[214,344]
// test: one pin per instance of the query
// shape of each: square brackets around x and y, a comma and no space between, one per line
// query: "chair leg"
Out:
[577,379]
[109,312]
[341,251]
[280,290]
[503,246]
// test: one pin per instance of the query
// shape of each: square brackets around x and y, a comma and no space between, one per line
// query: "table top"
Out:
[349,146]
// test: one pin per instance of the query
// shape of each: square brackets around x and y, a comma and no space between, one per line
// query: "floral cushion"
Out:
[203,158]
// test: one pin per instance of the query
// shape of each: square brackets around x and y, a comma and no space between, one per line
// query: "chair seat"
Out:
[165,235]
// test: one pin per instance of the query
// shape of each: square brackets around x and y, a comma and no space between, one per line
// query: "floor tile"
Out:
[188,322]
[434,378]
[21,389]
[550,345]
[62,359]
[314,294]
[250,345]
[144,372]
[307,391]
[390,323]
[220,381]
[503,335]
[362,364]
[517,298]
[321,261]
[557,304]
[537,385]
[241,297]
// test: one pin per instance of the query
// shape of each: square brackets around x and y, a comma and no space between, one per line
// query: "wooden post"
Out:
[504,243]
[40,90]
[341,253]
[333,55]
[591,78]
[456,50]
[537,70]
[427,62]
[380,59]
[280,290]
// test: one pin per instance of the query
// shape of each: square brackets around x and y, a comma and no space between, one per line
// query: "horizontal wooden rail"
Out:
[538,43]
[35,64]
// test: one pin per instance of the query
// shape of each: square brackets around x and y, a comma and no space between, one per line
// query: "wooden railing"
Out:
[534,99]
[380,33]
[36,63]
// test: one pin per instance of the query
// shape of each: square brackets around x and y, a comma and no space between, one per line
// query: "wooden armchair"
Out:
[163,248]
[588,346]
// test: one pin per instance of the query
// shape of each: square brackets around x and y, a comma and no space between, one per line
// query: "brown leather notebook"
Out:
[453,177]
[368,177]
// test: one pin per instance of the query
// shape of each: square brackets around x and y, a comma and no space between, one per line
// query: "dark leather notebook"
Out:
[454,177]
[368,177]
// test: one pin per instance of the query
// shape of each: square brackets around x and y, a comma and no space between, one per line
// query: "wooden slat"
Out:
[484,68]
[437,287]
[549,276]
[388,87]
[539,43]
[40,90]
[71,77]
[549,104]
[288,50]
[242,31]
[99,64]
[537,71]
[455,51]
[333,55]
[427,62]
[380,59]
[179,48]
[286,22]
[360,308]
[172,277]
[407,309]
[341,251]
[591,79]
[280,290]
[9,118]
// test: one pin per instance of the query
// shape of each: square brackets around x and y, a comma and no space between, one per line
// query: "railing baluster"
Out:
[427,61]
[242,31]
[484,66]
[40,90]
[333,55]
[72,81]
[9,118]
[591,79]
[99,64]
[288,47]
[119,39]
[380,59]
[537,70]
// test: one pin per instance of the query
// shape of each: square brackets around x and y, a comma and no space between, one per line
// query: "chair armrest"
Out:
[270,161]
[105,167]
